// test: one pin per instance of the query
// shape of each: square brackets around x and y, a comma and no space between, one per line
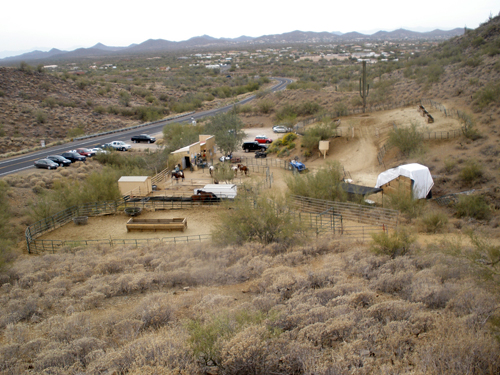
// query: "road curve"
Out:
[19,163]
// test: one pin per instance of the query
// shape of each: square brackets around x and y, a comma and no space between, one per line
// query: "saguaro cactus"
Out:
[363,87]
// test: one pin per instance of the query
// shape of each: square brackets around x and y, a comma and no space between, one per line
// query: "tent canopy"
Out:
[419,174]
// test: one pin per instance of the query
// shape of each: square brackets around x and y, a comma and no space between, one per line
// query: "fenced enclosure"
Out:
[376,216]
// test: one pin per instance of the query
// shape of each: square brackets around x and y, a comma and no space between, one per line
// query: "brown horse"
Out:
[243,169]
[204,197]
[178,175]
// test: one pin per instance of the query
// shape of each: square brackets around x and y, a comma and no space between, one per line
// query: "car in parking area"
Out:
[60,160]
[282,129]
[120,145]
[253,146]
[263,139]
[143,138]
[85,152]
[73,156]
[46,163]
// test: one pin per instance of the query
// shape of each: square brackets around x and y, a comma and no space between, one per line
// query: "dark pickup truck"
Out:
[143,138]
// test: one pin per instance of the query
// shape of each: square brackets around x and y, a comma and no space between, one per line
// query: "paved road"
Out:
[23,162]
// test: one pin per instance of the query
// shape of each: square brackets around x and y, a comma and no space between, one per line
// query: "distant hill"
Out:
[206,41]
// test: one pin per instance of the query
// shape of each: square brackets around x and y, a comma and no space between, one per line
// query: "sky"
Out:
[28,25]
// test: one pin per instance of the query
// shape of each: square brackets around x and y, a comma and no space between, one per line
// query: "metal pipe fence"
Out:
[54,246]
[349,211]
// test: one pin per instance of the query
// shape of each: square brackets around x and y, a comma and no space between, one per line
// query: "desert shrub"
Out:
[288,138]
[474,206]
[155,310]
[224,173]
[124,98]
[434,221]
[265,106]
[246,108]
[100,109]
[471,172]
[320,132]
[468,128]
[407,139]
[393,244]
[41,117]
[402,200]
[489,94]
[261,218]
[287,113]
[324,184]
[449,164]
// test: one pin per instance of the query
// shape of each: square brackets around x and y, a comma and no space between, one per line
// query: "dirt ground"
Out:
[200,220]
[358,155]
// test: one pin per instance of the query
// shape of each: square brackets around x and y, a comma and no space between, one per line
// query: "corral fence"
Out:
[97,209]
[322,216]
[376,216]
[54,246]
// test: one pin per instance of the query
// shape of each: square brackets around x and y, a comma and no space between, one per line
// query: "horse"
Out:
[204,197]
[178,175]
[234,168]
[211,169]
[243,169]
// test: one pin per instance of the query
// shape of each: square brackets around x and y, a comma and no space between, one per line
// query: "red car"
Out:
[85,152]
[263,139]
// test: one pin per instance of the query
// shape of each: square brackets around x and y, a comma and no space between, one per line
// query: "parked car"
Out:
[282,129]
[263,139]
[120,145]
[98,150]
[46,163]
[60,160]
[73,156]
[253,146]
[143,138]
[85,152]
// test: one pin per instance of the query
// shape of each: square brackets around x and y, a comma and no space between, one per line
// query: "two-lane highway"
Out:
[23,162]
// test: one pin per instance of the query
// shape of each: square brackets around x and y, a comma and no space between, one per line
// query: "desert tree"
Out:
[228,131]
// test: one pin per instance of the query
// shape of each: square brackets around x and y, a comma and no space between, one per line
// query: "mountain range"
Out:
[206,41]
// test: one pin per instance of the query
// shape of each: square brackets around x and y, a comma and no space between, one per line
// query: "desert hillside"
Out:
[267,294]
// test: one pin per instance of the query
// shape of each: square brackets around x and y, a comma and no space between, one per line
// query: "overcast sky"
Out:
[66,25]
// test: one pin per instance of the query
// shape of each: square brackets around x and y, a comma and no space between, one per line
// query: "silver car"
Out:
[282,129]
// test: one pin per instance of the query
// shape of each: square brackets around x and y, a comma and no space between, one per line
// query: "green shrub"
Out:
[124,98]
[471,172]
[489,94]
[407,139]
[324,184]
[434,222]
[265,106]
[474,206]
[41,117]
[100,109]
[259,218]
[395,244]
[402,200]
[246,108]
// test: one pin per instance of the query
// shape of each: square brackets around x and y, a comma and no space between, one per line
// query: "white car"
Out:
[120,145]
[282,129]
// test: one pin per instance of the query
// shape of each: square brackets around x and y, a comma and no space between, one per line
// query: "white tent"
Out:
[419,174]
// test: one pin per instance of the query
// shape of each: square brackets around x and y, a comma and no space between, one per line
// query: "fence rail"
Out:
[53,246]
[349,211]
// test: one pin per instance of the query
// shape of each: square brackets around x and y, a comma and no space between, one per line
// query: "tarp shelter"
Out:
[418,176]
[138,186]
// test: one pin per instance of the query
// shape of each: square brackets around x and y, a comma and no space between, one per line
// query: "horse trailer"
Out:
[220,190]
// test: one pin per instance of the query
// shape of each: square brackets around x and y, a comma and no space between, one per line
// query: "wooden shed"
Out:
[414,178]
[137,186]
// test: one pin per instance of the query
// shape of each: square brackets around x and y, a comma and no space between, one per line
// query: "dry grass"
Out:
[321,309]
